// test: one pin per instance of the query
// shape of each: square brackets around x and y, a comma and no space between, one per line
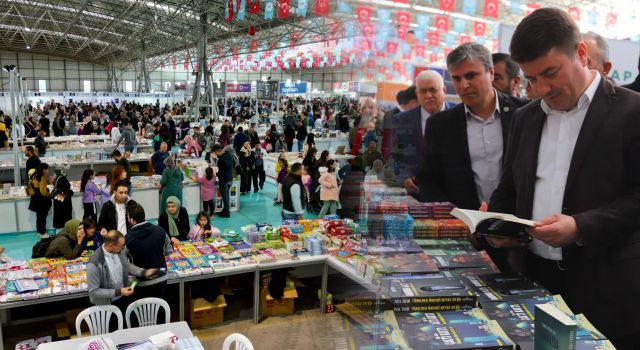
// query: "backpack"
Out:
[40,248]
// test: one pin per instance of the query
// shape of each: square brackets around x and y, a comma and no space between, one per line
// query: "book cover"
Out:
[494,224]
[554,329]
[425,290]
[499,287]
[452,330]
[403,264]
[455,259]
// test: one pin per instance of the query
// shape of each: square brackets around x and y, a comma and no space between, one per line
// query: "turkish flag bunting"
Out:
[447,5]
[402,32]
[575,13]
[229,12]
[322,7]
[400,1]
[433,58]
[442,23]
[283,8]
[392,47]
[532,7]
[363,13]
[403,18]
[254,7]
[612,19]
[479,28]
[434,39]
[491,8]
[447,52]
[464,39]
[420,50]
[396,66]
[367,30]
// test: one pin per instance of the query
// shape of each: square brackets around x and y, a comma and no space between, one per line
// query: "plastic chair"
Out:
[97,318]
[146,311]
[241,342]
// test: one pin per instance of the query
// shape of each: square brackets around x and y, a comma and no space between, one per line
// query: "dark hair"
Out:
[470,51]
[40,170]
[86,175]
[136,213]
[410,93]
[112,237]
[116,172]
[216,147]
[30,149]
[331,162]
[324,155]
[239,129]
[117,184]
[209,173]
[204,215]
[116,153]
[510,65]
[541,31]
[88,223]
[273,127]
[296,167]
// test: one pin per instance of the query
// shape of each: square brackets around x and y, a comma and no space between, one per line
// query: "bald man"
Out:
[409,127]
[597,53]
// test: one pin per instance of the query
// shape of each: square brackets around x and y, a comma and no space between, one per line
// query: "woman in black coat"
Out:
[62,205]
[247,163]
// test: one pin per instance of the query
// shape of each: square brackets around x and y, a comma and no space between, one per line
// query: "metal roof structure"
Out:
[122,32]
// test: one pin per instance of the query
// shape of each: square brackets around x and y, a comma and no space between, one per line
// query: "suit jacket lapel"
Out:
[596,114]
[506,110]
[527,162]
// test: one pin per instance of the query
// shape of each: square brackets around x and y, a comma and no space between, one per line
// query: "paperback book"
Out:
[494,224]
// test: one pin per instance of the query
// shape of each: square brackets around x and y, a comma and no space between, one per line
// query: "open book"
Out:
[494,224]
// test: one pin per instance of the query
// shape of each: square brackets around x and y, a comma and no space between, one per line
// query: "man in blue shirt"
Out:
[157,159]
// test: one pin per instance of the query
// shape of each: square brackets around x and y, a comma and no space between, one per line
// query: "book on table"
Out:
[494,224]
[554,329]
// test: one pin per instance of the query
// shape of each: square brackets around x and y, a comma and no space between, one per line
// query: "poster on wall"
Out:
[219,89]
[293,88]
[267,90]
[241,87]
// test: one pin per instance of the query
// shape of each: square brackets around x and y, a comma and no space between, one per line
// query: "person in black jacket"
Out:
[175,221]
[301,135]
[225,175]
[113,215]
[311,163]
[40,143]
[289,135]
[32,159]
[635,85]
[247,165]
[148,245]
[62,205]
[45,125]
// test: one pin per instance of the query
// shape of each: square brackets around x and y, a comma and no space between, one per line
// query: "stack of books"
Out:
[433,210]
[439,229]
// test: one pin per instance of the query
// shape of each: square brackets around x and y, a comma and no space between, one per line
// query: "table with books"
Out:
[426,293]
[295,157]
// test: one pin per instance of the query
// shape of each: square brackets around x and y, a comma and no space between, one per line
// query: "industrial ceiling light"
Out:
[28,47]
[9,68]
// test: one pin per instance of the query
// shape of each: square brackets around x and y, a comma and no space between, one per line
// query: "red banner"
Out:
[254,6]
[479,28]
[464,39]
[403,18]
[420,51]
[532,7]
[402,32]
[442,23]
[433,58]
[283,8]
[364,14]
[322,7]
[392,47]
[491,8]
[612,19]
[447,5]
[367,30]
[434,39]
[575,13]
[229,10]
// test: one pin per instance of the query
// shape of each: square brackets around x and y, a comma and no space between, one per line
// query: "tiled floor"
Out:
[254,207]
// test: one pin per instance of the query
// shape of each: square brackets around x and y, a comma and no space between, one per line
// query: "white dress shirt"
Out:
[485,150]
[424,115]
[559,135]
[121,214]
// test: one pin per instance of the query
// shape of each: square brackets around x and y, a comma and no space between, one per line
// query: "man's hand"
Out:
[151,274]
[557,230]
[125,292]
[410,185]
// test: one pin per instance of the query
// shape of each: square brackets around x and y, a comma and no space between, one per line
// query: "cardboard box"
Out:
[272,307]
[204,313]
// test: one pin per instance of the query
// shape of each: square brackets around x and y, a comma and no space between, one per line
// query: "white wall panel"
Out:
[40,74]
[56,73]
[87,75]
[56,64]
[72,73]
[55,85]
[73,85]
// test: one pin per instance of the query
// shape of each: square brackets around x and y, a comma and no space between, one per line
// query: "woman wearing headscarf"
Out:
[171,182]
[175,220]
[68,242]
[62,194]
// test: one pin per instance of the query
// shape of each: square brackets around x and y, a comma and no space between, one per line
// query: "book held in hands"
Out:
[494,224]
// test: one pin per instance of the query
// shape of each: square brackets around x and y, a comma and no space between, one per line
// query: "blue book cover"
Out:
[554,329]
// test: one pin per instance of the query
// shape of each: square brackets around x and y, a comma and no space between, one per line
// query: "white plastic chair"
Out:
[241,342]
[97,318]
[146,311]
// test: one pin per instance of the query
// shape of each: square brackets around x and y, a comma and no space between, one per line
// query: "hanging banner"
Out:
[267,90]
[469,7]
[241,10]
[269,9]
[574,12]
[293,88]
[491,8]
[301,10]
[219,89]
[442,23]
[283,8]
[254,7]
[364,14]
[447,5]
[241,87]
[322,8]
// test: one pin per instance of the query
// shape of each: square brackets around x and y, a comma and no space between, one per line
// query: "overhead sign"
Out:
[267,90]
[293,88]
[242,87]
[219,89]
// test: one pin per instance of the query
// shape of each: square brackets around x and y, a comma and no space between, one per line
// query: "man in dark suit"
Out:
[465,144]
[409,126]
[635,85]
[572,167]
[407,100]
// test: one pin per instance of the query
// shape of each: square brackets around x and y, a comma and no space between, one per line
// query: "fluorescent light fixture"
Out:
[28,47]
